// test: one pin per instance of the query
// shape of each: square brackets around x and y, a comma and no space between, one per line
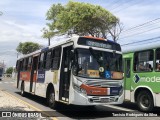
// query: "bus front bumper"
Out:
[81,99]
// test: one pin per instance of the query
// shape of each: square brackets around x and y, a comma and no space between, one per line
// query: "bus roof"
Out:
[64,41]
[135,48]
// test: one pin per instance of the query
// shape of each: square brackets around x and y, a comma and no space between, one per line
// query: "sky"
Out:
[23,20]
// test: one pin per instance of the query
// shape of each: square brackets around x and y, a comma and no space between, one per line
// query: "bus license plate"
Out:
[105,100]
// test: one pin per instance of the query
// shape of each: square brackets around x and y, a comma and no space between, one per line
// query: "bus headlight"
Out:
[80,90]
[83,91]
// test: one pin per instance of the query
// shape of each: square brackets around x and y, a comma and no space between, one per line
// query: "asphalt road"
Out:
[67,112]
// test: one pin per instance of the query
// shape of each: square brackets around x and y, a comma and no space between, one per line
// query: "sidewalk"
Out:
[10,104]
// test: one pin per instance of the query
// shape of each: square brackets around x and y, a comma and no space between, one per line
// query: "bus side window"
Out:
[29,63]
[21,65]
[56,55]
[143,61]
[128,71]
[48,60]
[157,65]
[26,64]
[41,59]
[135,62]
[17,65]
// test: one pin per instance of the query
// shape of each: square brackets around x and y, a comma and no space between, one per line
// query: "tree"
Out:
[27,47]
[82,19]
[9,70]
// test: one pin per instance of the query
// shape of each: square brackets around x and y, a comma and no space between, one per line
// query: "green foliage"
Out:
[27,47]
[80,18]
[9,70]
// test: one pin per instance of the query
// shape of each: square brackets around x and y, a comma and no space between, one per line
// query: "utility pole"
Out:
[49,41]
[47,34]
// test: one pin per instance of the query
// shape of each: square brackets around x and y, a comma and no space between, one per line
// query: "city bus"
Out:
[1,73]
[142,76]
[79,70]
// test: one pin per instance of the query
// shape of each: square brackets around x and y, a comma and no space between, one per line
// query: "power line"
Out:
[139,33]
[128,7]
[129,1]
[141,41]
[115,3]
[141,24]
[150,25]
[147,42]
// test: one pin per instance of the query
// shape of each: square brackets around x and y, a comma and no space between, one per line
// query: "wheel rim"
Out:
[51,99]
[22,90]
[144,101]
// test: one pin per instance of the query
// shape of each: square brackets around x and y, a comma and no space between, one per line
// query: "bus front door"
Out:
[65,75]
[19,66]
[127,77]
[33,72]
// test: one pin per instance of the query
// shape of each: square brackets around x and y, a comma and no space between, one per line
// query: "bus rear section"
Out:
[1,73]
[142,77]
[80,71]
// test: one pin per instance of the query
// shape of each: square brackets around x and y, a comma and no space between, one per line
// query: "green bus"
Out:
[142,77]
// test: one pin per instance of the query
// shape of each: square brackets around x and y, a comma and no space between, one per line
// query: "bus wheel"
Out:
[51,99]
[145,101]
[22,89]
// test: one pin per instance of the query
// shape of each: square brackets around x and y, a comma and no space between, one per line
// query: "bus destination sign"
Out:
[97,44]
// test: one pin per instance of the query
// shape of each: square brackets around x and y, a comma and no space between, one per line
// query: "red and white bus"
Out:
[80,70]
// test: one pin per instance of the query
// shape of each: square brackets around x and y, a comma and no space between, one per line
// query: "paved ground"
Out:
[66,112]
[12,108]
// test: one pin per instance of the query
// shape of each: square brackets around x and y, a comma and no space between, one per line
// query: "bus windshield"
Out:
[1,72]
[99,64]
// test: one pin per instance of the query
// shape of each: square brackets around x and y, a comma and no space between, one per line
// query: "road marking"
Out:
[8,82]
[119,108]
[26,103]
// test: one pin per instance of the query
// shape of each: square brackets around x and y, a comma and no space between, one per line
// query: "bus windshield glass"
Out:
[1,72]
[99,64]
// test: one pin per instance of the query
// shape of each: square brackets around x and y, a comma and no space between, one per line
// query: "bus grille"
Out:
[102,84]
[102,100]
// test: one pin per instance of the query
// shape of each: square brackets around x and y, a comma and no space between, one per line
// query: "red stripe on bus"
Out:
[25,76]
[94,90]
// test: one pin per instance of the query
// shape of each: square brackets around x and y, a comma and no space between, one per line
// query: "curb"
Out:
[29,105]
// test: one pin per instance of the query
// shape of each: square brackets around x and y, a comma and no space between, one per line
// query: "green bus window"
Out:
[157,65]
[143,61]
[128,64]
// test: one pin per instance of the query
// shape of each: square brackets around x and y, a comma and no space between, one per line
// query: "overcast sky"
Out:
[23,20]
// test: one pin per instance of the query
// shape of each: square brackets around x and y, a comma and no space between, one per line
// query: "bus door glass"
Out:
[65,74]
[127,78]
[19,66]
[33,72]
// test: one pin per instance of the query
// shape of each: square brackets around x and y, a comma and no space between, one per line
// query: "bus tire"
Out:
[145,101]
[51,99]
[22,89]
